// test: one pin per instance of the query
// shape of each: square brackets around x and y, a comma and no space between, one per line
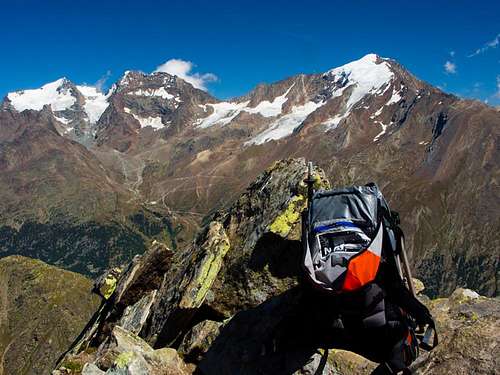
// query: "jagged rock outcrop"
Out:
[42,310]
[222,303]
[231,267]
[125,353]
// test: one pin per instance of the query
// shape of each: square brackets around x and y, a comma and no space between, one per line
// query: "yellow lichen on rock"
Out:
[109,286]
[285,221]
[320,182]
[124,359]
[216,248]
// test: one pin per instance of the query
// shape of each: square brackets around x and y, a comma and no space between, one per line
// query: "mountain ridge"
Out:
[179,152]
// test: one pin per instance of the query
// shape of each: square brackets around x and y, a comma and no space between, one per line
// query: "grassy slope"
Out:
[42,310]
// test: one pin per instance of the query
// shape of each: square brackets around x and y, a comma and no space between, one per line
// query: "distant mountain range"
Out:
[88,179]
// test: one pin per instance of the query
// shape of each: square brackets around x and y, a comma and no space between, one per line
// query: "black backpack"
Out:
[354,250]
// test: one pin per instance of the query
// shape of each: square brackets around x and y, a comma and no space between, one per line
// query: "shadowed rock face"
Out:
[42,310]
[232,303]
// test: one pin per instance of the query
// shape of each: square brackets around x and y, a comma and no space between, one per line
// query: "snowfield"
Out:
[286,124]
[95,102]
[54,94]
[366,76]
[224,112]
[154,122]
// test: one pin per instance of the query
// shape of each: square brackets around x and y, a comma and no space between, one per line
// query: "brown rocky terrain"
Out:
[60,204]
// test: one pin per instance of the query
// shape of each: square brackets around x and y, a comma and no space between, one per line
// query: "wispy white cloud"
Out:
[450,67]
[491,44]
[183,69]
[101,82]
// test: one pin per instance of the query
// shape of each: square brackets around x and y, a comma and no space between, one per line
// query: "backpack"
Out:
[353,250]
[344,237]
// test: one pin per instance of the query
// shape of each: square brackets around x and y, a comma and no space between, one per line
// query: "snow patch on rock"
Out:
[270,109]
[395,98]
[224,112]
[95,102]
[333,122]
[383,131]
[377,113]
[62,120]
[285,125]
[159,92]
[153,121]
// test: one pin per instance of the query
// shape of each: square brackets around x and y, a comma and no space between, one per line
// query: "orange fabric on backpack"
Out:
[409,339]
[361,270]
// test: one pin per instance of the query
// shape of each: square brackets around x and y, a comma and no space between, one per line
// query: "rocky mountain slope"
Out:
[76,108]
[42,310]
[177,151]
[221,305]
[60,204]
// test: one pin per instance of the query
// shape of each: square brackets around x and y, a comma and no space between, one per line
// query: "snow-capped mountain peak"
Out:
[368,75]
[76,107]
[58,95]
[269,112]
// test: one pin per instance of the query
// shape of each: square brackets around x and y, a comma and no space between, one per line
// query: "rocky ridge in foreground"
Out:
[216,307]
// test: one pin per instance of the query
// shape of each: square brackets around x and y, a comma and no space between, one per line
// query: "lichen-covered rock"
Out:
[418,285]
[206,269]
[263,226]
[132,299]
[345,362]
[119,346]
[168,362]
[185,288]
[286,220]
[105,285]
[124,353]
[130,363]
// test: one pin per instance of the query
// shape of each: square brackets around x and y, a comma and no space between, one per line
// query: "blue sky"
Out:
[247,42]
